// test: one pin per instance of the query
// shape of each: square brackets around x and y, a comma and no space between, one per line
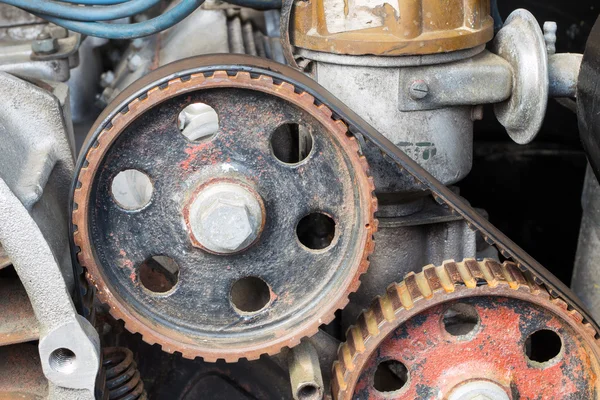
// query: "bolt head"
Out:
[134,62]
[45,46]
[228,223]
[225,217]
[418,90]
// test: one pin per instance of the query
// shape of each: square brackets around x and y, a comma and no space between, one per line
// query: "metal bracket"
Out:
[483,79]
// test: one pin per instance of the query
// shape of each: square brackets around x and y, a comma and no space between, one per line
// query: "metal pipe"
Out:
[563,71]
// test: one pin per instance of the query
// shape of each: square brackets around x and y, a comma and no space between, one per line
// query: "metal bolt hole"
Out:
[291,143]
[316,231]
[390,376]
[250,294]
[309,392]
[543,346]
[131,189]
[63,361]
[460,320]
[158,274]
[198,121]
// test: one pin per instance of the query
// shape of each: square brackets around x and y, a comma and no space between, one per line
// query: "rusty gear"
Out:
[214,329]
[464,327]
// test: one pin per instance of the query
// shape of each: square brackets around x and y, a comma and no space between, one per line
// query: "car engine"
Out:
[299,199]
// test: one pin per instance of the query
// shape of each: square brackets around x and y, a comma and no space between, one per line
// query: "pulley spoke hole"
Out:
[316,231]
[543,347]
[63,361]
[390,376]
[131,189]
[291,143]
[158,274]
[461,320]
[250,294]
[198,122]
[309,391]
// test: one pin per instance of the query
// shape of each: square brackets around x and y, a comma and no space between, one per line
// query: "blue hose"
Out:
[78,13]
[129,31]
[95,2]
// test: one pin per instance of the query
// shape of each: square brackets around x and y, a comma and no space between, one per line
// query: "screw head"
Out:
[419,90]
[225,217]
[45,46]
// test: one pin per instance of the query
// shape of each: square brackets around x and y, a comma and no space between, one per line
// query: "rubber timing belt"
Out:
[358,127]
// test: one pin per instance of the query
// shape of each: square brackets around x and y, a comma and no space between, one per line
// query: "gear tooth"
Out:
[266,79]
[243,75]
[495,271]
[355,340]
[287,87]
[339,383]
[445,279]
[387,310]
[325,110]
[371,322]
[433,280]
[307,98]
[406,300]
[423,284]
[345,355]
[466,276]
[220,75]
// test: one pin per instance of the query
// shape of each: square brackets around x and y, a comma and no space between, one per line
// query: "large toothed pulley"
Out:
[222,214]
[468,330]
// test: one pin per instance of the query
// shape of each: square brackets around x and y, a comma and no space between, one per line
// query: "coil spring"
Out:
[123,380]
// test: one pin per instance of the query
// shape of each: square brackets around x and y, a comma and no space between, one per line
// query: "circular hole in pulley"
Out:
[390,376]
[62,360]
[291,143]
[460,320]
[158,274]
[198,122]
[316,231]
[131,189]
[543,346]
[250,294]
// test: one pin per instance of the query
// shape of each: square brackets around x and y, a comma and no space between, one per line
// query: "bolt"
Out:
[134,62]
[550,28]
[418,90]
[198,121]
[138,43]
[478,390]
[225,217]
[44,44]
[107,78]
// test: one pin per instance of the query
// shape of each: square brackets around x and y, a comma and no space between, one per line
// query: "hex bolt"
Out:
[135,61]
[107,78]
[550,28]
[478,390]
[225,217]
[44,44]
[418,90]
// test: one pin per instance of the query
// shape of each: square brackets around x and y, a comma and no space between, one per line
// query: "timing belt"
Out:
[233,63]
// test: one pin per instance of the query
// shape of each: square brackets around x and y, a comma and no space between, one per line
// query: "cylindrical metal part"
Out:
[305,372]
[563,71]
[407,27]
[439,140]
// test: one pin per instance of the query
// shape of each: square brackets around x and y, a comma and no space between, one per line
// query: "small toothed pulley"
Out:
[223,215]
[468,330]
